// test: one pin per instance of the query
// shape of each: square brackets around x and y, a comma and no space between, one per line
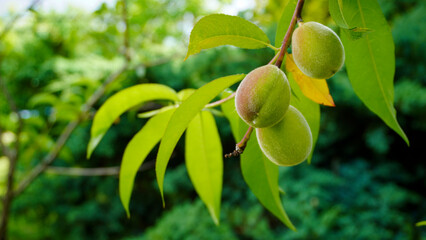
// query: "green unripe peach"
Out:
[288,142]
[317,50]
[263,96]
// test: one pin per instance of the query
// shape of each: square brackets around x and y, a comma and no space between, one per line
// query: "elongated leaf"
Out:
[420,224]
[309,109]
[136,152]
[336,8]
[43,98]
[284,22]
[370,60]
[220,29]
[336,11]
[228,109]
[260,174]
[262,177]
[314,89]
[183,116]
[203,154]
[121,102]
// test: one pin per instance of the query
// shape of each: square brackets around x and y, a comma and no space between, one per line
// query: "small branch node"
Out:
[239,147]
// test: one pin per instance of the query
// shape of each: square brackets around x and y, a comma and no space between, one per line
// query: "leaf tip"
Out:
[89,152]
[330,103]
[406,139]
[216,221]
[160,186]
[398,129]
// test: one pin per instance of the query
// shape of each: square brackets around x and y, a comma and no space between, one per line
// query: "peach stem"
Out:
[239,147]
[286,41]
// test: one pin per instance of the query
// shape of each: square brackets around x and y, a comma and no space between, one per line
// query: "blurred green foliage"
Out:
[363,183]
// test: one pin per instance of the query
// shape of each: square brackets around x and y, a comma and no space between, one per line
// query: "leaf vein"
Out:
[374,61]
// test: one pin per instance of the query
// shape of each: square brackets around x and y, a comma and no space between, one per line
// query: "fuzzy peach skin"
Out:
[263,96]
[317,50]
[288,142]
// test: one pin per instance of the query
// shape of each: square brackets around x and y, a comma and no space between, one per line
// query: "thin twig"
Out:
[10,25]
[66,133]
[13,156]
[3,146]
[217,103]
[287,37]
[239,147]
[92,172]
[274,58]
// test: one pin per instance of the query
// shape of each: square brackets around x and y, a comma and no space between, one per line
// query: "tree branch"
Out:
[10,25]
[286,42]
[66,133]
[217,103]
[90,172]
[239,147]
[13,156]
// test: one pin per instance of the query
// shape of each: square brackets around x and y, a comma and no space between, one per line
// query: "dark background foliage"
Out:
[363,183]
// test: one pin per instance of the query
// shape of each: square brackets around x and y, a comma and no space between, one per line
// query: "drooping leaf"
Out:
[370,60]
[204,161]
[121,102]
[309,109]
[314,89]
[284,22]
[136,152]
[220,29]
[183,116]
[260,174]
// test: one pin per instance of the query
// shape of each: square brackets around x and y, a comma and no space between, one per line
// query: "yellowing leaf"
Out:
[314,89]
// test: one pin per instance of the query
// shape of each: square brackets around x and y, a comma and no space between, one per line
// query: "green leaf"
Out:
[203,154]
[309,109]
[220,29]
[284,22]
[336,11]
[261,175]
[228,109]
[152,113]
[259,172]
[183,116]
[370,60]
[136,152]
[43,98]
[422,223]
[121,102]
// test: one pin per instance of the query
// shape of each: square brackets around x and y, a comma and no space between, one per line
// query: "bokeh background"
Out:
[364,181]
